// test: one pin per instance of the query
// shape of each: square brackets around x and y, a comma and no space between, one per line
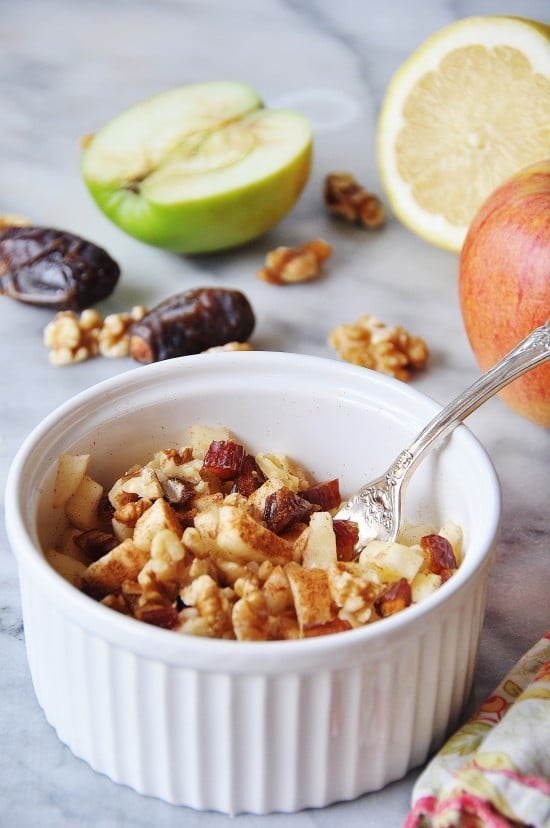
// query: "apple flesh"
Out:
[70,472]
[504,281]
[199,168]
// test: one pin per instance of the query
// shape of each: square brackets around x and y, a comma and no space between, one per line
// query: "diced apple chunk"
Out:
[68,567]
[393,560]
[81,508]
[320,549]
[71,468]
[423,585]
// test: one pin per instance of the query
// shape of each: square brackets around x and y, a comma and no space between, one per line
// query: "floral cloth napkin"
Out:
[494,772]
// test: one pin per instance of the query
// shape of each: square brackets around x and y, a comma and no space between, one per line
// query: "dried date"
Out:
[440,554]
[249,478]
[54,269]
[326,495]
[283,507]
[95,543]
[397,597]
[165,617]
[190,322]
[224,458]
[347,536]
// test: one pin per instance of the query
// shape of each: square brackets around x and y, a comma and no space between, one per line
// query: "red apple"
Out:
[504,281]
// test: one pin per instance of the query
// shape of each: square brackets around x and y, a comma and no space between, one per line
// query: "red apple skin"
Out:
[504,281]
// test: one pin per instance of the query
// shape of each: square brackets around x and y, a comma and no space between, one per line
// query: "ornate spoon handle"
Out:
[532,351]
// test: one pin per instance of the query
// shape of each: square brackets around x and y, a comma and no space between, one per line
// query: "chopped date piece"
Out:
[54,269]
[329,627]
[224,458]
[440,554]
[95,543]
[105,510]
[190,323]
[177,492]
[186,513]
[250,477]
[165,617]
[446,573]
[284,507]
[347,535]
[397,597]
[326,495]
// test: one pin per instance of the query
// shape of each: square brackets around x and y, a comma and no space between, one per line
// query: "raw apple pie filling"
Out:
[212,540]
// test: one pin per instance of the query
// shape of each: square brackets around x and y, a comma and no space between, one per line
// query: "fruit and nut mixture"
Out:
[209,539]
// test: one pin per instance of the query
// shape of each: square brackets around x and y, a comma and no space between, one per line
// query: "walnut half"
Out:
[346,198]
[372,344]
[74,338]
[289,265]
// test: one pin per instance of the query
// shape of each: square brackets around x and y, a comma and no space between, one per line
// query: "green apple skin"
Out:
[504,282]
[199,168]
[211,224]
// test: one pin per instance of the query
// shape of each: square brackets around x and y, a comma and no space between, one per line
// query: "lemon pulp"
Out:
[467,110]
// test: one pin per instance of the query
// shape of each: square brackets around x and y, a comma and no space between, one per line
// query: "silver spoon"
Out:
[377,507]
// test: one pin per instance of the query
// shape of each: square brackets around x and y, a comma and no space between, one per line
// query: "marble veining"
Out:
[65,68]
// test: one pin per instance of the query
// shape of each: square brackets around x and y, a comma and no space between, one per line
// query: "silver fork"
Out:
[377,507]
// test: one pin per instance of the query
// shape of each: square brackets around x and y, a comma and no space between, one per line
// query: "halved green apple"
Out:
[199,168]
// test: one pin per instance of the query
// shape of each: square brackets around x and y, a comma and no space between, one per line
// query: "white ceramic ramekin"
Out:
[248,726]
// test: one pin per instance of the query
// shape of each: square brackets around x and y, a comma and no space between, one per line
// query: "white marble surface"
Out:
[67,66]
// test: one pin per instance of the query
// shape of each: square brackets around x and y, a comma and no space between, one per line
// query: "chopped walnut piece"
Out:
[249,615]
[277,592]
[372,344]
[13,220]
[354,591]
[289,265]
[165,571]
[229,346]
[73,338]
[129,513]
[114,336]
[346,198]
[212,603]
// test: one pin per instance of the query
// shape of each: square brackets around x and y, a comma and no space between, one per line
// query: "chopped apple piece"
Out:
[320,549]
[81,508]
[67,566]
[71,468]
[393,560]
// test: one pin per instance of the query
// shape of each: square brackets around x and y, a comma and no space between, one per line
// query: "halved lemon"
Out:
[465,111]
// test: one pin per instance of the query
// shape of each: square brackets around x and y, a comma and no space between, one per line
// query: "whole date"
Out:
[191,322]
[54,269]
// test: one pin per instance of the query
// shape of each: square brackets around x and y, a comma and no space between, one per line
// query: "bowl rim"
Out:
[214,654]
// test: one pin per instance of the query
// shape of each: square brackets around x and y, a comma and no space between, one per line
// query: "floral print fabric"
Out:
[494,772]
